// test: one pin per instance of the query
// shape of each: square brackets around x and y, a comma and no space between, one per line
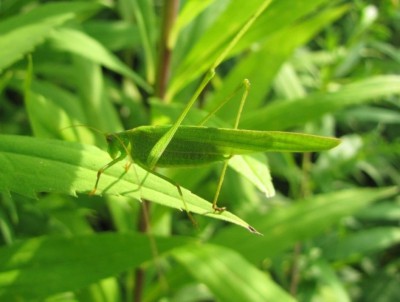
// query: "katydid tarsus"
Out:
[199,145]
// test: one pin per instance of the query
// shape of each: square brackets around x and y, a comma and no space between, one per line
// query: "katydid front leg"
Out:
[103,169]
[118,149]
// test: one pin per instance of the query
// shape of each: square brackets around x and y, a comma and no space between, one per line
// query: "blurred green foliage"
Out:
[325,67]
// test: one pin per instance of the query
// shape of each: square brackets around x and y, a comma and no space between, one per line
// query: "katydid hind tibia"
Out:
[198,145]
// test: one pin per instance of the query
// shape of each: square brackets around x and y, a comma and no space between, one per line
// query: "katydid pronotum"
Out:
[199,145]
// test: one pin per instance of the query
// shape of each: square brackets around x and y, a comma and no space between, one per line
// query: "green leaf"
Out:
[255,169]
[285,114]
[228,275]
[36,268]
[389,211]
[381,286]
[91,49]
[22,33]
[94,97]
[190,11]
[213,44]
[115,36]
[358,245]
[331,287]
[32,165]
[272,52]
[144,16]
[278,15]
[50,107]
[283,227]
[371,114]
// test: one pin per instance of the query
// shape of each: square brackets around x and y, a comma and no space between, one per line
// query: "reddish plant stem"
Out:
[162,77]
[305,192]
[143,227]
[164,59]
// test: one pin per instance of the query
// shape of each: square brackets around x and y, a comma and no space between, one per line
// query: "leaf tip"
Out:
[253,230]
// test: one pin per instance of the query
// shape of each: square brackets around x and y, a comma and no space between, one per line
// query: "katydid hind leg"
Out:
[246,84]
[178,187]
[194,222]
[216,208]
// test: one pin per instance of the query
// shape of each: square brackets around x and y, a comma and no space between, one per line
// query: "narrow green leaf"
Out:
[330,287]
[213,46]
[358,245]
[308,218]
[228,275]
[36,268]
[22,33]
[254,168]
[287,84]
[142,13]
[190,11]
[89,48]
[278,15]
[369,114]
[381,286]
[383,211]
[282,115]
[32,165]
[94,99]
[50,108]
[115,36]
[272,52]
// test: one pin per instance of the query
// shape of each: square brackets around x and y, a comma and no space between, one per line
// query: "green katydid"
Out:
[199,145]
[176,145]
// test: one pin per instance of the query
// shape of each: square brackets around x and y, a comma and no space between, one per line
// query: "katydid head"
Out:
[118,145]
